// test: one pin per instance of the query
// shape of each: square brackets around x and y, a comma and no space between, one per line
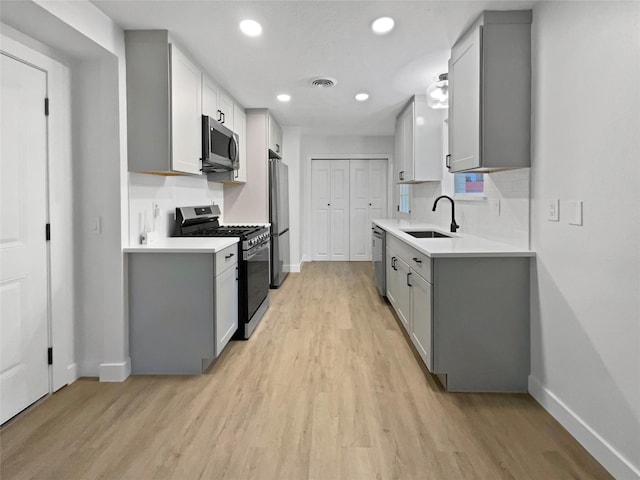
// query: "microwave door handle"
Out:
[236,156]
[233,150]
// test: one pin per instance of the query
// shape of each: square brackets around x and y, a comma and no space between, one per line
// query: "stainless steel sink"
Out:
[428,234]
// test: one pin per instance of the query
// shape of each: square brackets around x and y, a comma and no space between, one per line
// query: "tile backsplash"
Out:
[503,216]
[168,193]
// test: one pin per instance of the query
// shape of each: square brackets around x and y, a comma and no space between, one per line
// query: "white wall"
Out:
[169,193]
[586,279]
[344,146]
[291,143]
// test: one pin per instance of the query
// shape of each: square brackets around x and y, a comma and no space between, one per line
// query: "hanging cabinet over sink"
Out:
[418,143]
[490,94]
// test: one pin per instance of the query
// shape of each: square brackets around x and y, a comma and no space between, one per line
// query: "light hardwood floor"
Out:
[327,388]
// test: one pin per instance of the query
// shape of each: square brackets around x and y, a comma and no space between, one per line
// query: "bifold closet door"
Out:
[330,209]
[368,200]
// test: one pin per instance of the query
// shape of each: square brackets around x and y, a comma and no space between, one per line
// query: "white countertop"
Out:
[460,245]
[185,245]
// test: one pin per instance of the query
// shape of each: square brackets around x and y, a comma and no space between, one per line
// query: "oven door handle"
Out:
[248,255]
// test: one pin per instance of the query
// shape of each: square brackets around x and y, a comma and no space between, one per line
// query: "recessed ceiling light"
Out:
[361,97]
[250,28]
[382,25]
[283,97]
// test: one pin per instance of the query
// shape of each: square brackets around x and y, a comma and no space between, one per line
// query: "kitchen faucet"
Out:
[454,225]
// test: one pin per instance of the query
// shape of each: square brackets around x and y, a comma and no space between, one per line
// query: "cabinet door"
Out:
[321,208]
[464,103]
[275,136]
[403,293]
[339,228]
[397,163]
[186,108]
[225,104]
[408,143]
[210,98]
[226,307]
[240,124]
[391,277]
[421,319]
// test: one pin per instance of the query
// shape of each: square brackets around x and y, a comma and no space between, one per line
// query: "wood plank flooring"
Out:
[327,388]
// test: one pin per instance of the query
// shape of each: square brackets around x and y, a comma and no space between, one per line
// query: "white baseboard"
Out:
[293,268]
[115,372]
[597,446]
[72,373]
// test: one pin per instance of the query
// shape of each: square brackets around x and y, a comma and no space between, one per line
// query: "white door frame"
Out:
[308,254]
[59,205]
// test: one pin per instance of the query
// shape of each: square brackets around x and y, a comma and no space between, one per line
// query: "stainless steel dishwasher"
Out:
[378,239]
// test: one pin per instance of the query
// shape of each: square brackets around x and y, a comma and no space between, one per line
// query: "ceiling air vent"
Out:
[323,82]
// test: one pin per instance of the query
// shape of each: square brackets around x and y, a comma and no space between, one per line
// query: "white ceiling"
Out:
[305,39]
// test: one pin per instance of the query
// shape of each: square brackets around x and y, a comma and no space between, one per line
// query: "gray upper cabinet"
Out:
[490,94]
[275,136]
[164,105]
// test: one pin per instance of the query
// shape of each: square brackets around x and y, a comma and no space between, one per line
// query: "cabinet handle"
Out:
[448,161]
[370,204]
[224,118]
[219,115]
[417,260]
[408,284]
[328,204]
[393,263]
[277,148]
[227,257]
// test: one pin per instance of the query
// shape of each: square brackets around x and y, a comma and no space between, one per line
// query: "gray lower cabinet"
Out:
[421,319]
[468,318]
[183,309]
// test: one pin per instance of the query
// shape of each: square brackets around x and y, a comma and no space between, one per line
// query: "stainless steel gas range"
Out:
[253,259]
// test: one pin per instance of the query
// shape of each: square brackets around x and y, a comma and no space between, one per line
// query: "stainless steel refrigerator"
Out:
[279,219]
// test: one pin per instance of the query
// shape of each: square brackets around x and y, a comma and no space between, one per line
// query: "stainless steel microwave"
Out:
[219,147]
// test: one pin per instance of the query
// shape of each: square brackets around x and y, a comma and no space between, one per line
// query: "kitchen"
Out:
[584,334]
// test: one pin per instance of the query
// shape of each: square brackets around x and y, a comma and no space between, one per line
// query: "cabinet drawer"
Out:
[226,258]
[421,264]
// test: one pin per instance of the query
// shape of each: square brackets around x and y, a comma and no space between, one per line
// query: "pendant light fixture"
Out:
[438,92]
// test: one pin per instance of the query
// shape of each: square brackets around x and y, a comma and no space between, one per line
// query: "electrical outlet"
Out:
[553,210]
[574,212]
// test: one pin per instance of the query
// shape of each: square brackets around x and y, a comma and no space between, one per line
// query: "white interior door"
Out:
[320,205]
[360,227]
[339,210]
[368,201]
[378,207]
[24,371]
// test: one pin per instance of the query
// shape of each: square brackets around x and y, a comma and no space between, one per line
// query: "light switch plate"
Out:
[494,205]
[95,226]
[574,208]
[553,210]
